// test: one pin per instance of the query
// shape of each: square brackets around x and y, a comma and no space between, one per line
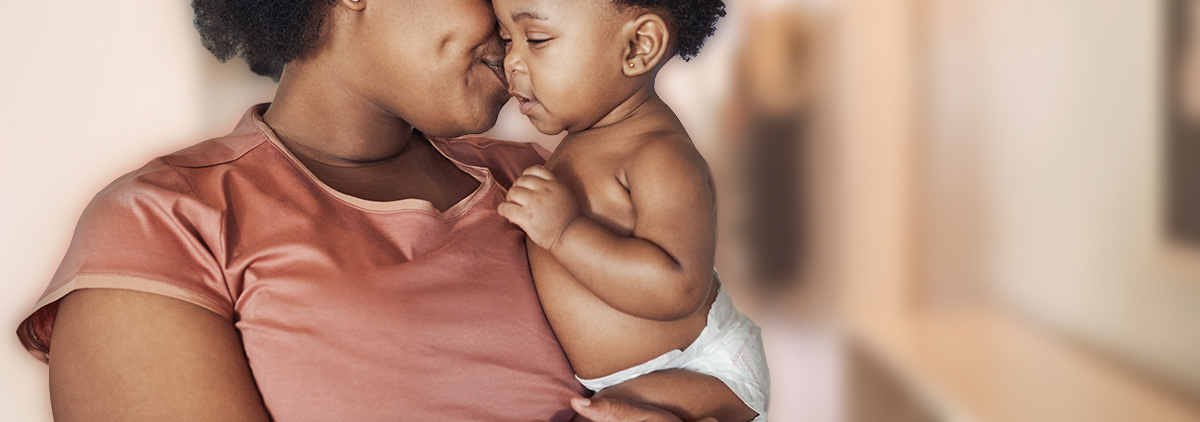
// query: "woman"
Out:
[331,259]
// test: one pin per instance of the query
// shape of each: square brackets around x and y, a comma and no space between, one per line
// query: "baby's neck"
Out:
[641,101]
[638,115]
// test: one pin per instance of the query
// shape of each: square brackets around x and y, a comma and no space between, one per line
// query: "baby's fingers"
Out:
[512,212]
[519,194]
[539,172]
[527,182]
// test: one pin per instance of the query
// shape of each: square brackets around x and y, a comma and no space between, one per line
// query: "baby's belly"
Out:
[598,339]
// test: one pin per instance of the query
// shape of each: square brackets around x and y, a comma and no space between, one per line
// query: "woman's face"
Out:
[436,64]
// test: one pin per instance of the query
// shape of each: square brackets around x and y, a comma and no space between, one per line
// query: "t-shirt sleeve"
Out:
[147,232]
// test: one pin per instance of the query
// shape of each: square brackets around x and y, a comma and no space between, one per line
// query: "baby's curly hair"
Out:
[693,20]
[265,33]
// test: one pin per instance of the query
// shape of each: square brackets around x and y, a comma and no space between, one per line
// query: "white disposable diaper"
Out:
[729,348]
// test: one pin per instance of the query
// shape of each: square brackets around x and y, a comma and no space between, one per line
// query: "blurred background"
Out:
[938,210]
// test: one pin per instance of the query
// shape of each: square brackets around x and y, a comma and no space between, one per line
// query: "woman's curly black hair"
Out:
[265,33]
[269,33]
[693,20]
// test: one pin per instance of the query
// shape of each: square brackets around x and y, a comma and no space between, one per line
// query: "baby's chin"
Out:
[547,127]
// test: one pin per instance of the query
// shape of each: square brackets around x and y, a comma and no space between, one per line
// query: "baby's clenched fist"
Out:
[540,205]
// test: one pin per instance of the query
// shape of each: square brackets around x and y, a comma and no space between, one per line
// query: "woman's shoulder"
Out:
[163,182]
[186,173]
[505,159]
[217,151]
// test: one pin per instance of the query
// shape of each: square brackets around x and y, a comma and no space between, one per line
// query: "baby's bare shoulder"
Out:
[667,159]
[666,148]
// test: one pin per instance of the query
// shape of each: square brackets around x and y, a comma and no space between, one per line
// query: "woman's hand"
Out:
[666,395]
[616,410]
[540,205]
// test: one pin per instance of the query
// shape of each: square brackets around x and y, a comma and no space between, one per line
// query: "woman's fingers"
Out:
[616,410]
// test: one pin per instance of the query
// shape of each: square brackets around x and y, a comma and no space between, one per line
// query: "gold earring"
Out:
[630,64]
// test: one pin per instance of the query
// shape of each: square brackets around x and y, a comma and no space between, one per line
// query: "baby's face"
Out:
[563,60]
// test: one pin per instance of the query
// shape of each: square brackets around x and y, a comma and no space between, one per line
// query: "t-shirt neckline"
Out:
[482,174]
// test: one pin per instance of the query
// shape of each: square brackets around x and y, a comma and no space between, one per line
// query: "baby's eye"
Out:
[536,41]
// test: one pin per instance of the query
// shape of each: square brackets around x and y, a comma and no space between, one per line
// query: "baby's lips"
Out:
[522,97]
[526,106]
[524,102]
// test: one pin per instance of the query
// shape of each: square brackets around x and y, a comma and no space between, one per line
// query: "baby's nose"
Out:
[513,63]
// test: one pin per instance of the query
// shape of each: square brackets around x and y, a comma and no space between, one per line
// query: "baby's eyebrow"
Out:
[517,17]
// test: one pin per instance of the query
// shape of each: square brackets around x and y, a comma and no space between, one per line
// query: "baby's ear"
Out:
[649,42]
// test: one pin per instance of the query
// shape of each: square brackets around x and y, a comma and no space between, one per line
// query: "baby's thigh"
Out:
[689,395]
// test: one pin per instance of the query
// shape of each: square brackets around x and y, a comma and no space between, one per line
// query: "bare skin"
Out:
[621,220]
[360,139]
[121,355]
[628,278]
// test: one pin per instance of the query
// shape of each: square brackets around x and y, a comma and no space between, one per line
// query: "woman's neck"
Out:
[316,113]
[356,148]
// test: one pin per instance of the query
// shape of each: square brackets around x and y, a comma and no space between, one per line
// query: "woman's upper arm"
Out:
[134,356]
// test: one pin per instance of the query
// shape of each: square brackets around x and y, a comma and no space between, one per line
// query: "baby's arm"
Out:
[664,270]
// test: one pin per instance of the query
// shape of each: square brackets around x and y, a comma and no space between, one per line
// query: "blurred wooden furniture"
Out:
[983,365]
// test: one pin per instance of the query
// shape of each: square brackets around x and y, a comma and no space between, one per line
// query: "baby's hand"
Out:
[540,205]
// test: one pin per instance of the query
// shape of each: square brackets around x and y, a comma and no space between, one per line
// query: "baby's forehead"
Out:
[553,10]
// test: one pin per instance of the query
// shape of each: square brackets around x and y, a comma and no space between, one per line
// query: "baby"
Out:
[621,220]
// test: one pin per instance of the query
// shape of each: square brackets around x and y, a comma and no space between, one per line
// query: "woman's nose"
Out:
[494,52]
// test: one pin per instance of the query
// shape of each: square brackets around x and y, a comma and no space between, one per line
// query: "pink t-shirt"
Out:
[348,309]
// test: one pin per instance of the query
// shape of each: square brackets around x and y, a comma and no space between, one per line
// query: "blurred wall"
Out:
[871,199]
[1044,136]
[88,91]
